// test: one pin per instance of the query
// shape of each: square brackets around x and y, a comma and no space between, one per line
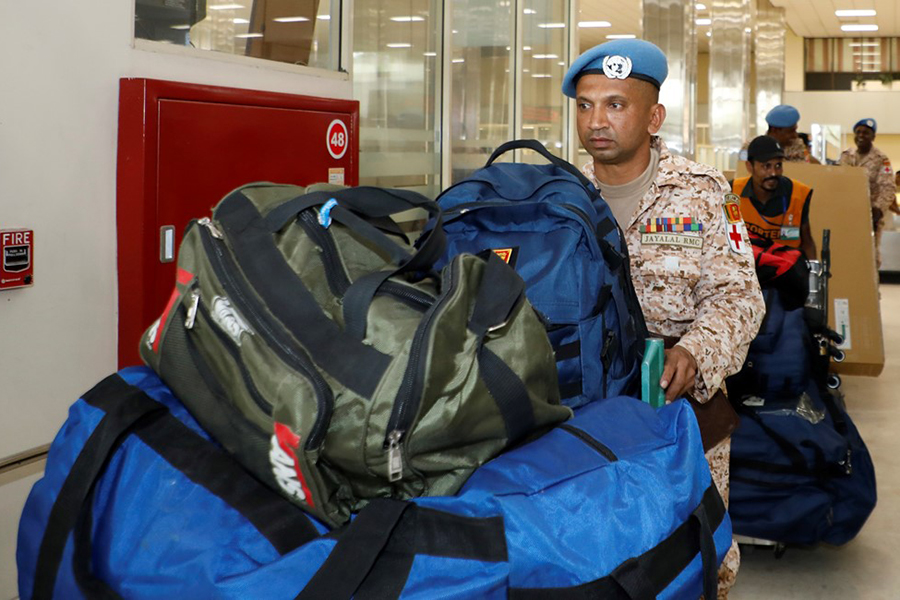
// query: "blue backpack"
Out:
[137,502]
[800,472]
[552,226]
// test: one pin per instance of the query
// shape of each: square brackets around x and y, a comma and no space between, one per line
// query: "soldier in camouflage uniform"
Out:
[881,177]
[783,121]
[691,260]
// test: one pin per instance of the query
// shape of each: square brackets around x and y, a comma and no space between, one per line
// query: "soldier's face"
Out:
[766,174]
[863,136]
[784,135]
[616,117]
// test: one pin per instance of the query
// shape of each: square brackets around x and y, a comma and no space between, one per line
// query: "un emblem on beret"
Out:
[617,67]
[870,123]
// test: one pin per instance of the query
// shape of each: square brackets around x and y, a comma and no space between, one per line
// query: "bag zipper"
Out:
[196,307]
[339,281]
[590,441]
[335,273]
[223,265]
[413,385]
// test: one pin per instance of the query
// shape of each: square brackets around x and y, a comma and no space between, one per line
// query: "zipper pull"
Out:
[395,456]
[192,310]
[207,222]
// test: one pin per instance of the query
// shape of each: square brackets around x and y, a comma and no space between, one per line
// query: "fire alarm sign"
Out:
[16,258]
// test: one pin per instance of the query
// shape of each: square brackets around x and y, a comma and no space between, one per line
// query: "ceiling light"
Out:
[430,54]
[748,30]
[454,31]
[240,21]
[180,27]
[458,60]
[701,6]
[865,44]
[225,6]
[399,45]
[703,21]
[290,19]
[544,56]
[245,36]
[859,27]
[552,25]
[867,12]
[529,11]
[526,48]
[541,75]
[324,17]
[621,36]
[709,34]
[593,24]
[412,19]
[561,63]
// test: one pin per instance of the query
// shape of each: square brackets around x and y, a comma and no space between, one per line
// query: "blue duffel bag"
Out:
[551,225]
[800,472]
[137,502]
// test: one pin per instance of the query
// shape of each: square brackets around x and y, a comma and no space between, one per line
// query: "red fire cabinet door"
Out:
[182,147]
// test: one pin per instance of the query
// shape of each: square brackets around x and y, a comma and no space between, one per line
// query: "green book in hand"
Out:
[651,372]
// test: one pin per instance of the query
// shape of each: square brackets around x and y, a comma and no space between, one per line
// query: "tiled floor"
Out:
[867,568]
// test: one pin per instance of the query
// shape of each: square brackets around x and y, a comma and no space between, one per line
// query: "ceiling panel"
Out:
[816,18]
[807,18]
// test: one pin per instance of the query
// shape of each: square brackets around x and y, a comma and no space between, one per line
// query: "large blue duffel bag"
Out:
[800,472]
[137,502]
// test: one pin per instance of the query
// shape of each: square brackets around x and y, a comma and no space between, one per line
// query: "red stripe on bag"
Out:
[182,277]
[289,443]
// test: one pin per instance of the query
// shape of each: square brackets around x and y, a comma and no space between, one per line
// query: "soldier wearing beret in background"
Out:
[783,121]
[881,176]
[691,261]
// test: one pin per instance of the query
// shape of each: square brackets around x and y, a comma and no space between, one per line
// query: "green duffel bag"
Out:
[316,344]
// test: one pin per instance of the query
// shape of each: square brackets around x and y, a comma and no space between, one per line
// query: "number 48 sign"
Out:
[337,139]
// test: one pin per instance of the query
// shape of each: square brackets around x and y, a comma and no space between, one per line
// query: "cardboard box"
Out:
[840,202]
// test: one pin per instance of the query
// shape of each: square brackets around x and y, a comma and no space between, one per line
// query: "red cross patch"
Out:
[735,232]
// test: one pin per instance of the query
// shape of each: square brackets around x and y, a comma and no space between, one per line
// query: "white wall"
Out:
[60,64]
[846,108]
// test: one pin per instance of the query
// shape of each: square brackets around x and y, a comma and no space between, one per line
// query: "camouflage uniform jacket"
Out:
[698,287]
[881,176]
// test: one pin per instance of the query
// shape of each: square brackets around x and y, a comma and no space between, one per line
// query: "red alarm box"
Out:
[16,258]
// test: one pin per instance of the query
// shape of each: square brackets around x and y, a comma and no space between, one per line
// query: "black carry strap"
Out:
[646,576]
[131,406]
[130,411]
[500,292]
[358,548]
[269,274]
[798,461]
[424,531]
[371,203]
[542,150]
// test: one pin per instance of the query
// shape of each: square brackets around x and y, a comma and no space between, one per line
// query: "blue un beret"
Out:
[783,115]
[870,123]
[619,59]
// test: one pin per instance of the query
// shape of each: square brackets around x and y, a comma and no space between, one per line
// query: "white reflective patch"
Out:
[617,67]
[151,335]
[229,319]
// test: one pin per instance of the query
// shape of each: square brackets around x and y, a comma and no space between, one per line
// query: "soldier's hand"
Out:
[679,371]
[895,208]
